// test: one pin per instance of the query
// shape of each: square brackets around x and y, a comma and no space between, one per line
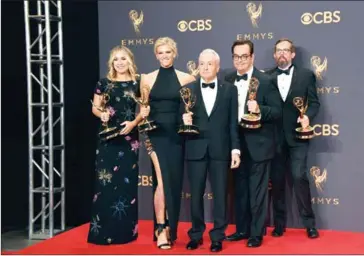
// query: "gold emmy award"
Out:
[302,133]
[189,100]
[108,132]
[252,120]
[145,125]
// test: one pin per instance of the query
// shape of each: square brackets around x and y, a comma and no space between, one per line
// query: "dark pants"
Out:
[197,174]
[295,159]
[251,195]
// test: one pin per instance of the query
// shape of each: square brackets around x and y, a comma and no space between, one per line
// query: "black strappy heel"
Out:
[158,231]
[168,230]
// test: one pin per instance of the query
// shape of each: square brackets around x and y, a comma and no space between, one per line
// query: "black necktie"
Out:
[211,85]
[287,71]
[244,77]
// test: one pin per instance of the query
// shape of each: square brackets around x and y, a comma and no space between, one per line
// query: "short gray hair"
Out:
[217,57]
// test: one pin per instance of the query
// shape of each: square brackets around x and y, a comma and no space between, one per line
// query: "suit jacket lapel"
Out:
[293,82]
[219,88]
[199,97]
[231,77]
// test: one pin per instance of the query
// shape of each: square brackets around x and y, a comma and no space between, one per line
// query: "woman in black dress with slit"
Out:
[166,153]
[114,217]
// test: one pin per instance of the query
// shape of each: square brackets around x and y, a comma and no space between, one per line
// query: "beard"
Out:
[282,62]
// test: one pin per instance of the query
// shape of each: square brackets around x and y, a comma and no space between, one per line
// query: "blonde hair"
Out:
[111,74]
[166,41]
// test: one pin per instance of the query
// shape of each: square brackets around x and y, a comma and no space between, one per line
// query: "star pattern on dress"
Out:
[95,226]
[127,95]
[105,177]
[119,208]
[128,113]
[116,173]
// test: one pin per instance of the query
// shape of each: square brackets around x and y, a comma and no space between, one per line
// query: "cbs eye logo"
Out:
[325,17]
[194,25]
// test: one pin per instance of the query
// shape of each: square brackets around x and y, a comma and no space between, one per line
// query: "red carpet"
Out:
[294,241]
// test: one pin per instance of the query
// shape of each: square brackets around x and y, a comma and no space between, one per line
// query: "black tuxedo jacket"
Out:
[303,84]
[260,142]
[219,131]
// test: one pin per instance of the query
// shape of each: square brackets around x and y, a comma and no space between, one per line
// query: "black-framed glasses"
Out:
[283,51]
[242,57]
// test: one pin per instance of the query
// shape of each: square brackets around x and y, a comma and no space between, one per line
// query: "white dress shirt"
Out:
[284,83]
[243,87]
[209,98]
[209,95]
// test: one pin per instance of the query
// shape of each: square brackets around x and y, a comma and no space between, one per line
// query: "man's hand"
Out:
[305,121]
[235,161]
[253,106]
[187,118]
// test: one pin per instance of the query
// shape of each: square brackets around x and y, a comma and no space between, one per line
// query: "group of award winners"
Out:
[252,123]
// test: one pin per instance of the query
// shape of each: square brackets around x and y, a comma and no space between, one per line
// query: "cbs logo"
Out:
[321,17]
[194,25]
[326,129]
[145,181]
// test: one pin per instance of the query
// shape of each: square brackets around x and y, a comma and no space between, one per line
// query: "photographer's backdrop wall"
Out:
[328,40]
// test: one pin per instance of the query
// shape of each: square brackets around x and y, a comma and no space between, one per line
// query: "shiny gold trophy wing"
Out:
[302,133]
[189,100]
[251,120]
[108,132]
[146,125]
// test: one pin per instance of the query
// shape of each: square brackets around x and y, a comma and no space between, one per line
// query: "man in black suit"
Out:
[214,150]
[292,82]
[257,145]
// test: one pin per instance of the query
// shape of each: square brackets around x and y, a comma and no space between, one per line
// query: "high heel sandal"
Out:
[158,231]
[168,232]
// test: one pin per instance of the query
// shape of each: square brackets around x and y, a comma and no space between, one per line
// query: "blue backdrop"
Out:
[328,40]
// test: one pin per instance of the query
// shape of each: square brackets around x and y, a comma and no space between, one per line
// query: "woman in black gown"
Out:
[167,154]
[114,218]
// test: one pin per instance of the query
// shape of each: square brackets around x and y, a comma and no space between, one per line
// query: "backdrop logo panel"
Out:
[255,13]
[145,180]
[319,66]
[192,68]
[137,20]
[336,150]
[326,129]
[319,179]
[325,17]
[194,25]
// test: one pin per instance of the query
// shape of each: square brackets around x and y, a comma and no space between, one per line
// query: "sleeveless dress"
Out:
[114,217]
[164,100]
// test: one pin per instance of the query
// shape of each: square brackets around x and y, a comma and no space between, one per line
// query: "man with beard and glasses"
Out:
[292,152]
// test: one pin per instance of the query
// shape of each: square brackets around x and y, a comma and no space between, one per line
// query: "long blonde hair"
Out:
[111,74]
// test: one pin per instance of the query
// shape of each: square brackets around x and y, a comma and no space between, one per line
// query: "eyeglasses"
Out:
[242,57]
[283,51]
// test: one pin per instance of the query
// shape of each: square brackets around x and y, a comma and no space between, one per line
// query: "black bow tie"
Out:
[211,85]
[244,77]
[287,71]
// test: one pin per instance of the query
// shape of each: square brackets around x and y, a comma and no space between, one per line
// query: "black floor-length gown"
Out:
[114,217]
[166,142]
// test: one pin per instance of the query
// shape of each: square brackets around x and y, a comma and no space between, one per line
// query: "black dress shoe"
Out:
[255,241]
[312,233]
[237,236]
[194,244]
[216,246]
[278,231]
